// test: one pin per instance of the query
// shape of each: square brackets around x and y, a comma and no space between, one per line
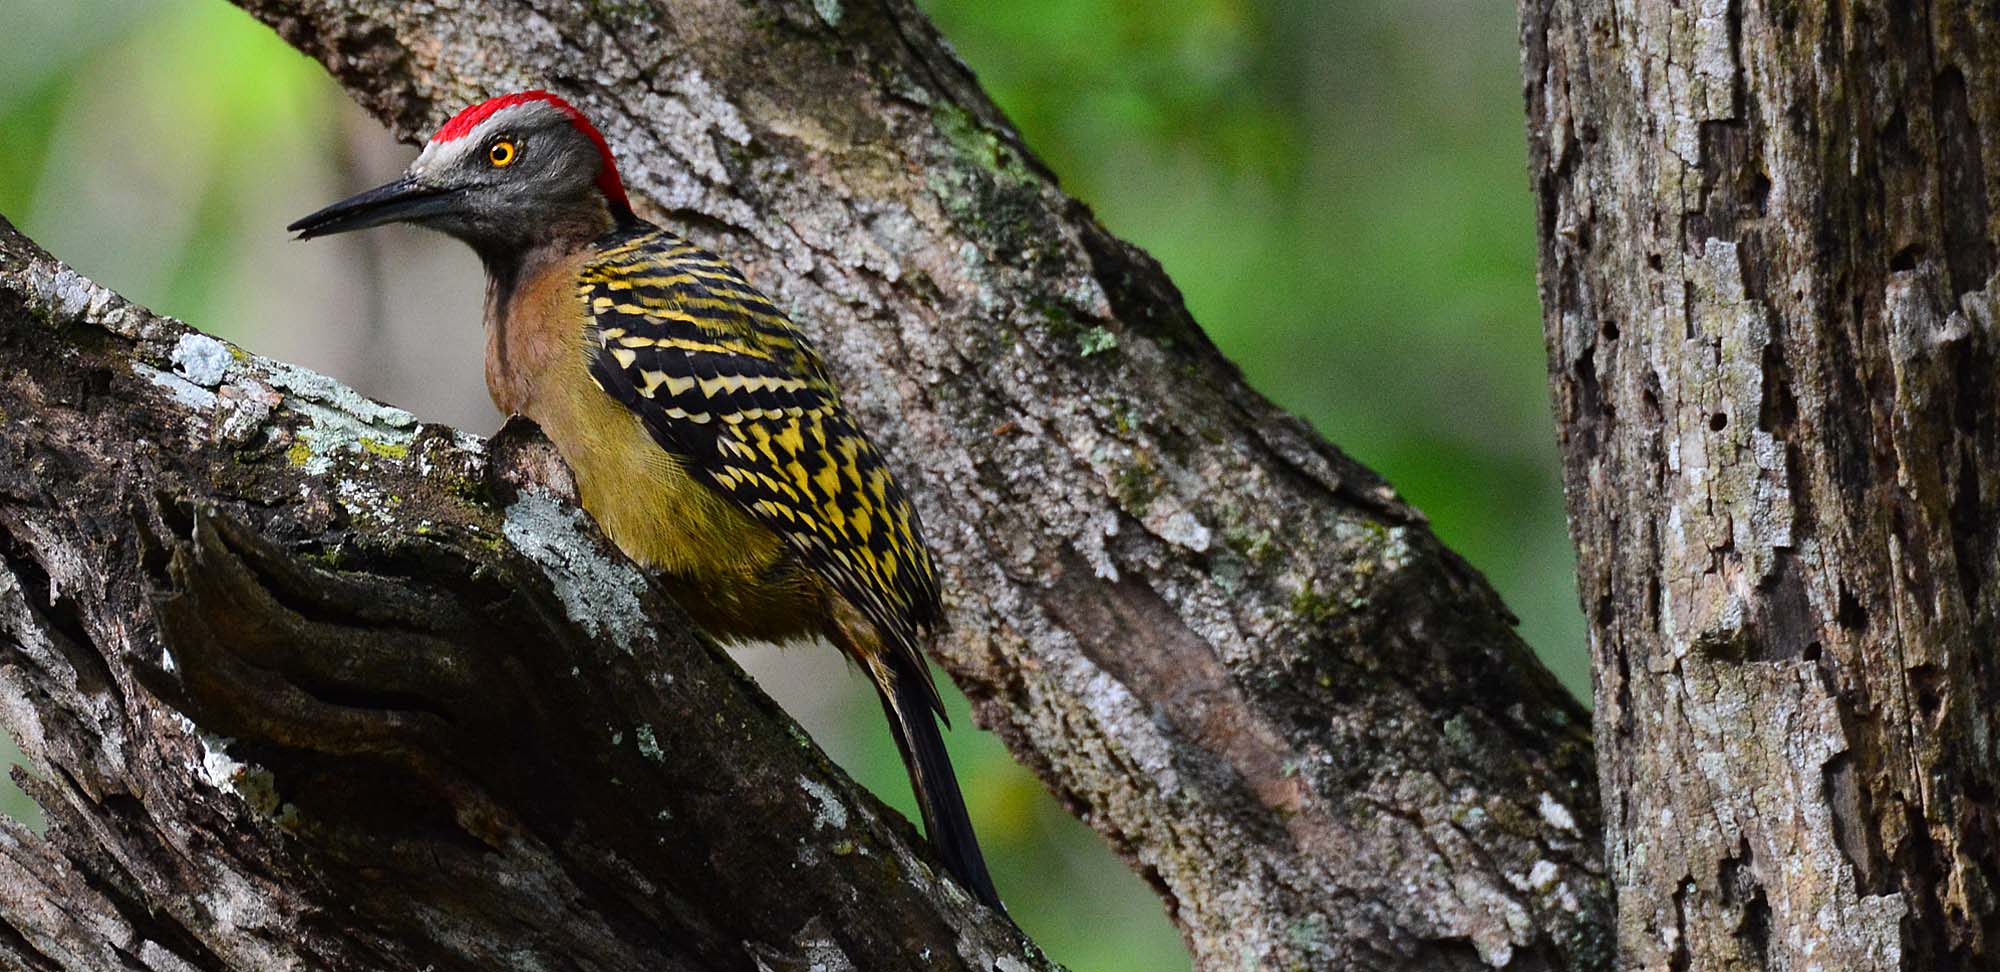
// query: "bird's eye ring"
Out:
[501,154]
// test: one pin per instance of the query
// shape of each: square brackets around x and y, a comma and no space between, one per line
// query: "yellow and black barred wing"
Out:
[723,381]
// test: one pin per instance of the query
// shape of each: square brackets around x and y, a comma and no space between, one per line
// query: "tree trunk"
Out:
[1768,235]
[401,726]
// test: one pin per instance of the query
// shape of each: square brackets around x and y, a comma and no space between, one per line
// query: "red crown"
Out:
[465,121]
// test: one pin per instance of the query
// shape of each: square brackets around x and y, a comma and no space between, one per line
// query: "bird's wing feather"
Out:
[723,381]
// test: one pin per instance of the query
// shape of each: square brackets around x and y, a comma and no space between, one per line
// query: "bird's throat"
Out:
[533,319]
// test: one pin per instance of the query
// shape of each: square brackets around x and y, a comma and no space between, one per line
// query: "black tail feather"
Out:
[945,819]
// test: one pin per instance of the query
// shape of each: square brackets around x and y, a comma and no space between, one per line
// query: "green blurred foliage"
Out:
[1337,188]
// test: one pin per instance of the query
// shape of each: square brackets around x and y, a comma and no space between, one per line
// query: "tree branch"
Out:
[417,713]
[1229,648]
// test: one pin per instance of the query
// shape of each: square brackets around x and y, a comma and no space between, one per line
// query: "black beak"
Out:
[404,199]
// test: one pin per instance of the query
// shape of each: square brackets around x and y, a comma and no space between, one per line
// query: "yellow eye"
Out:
[501,154]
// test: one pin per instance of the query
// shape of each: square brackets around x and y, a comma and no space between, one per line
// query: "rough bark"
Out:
[306,685]
[1223,644]
[1768,235]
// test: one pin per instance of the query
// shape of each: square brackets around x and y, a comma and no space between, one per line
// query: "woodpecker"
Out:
[706,436]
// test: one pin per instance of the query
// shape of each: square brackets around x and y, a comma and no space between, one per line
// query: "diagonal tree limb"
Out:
[308,685]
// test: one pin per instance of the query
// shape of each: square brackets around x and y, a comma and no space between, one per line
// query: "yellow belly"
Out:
[734,577]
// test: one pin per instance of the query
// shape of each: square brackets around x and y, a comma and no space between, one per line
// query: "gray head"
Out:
[504,175]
